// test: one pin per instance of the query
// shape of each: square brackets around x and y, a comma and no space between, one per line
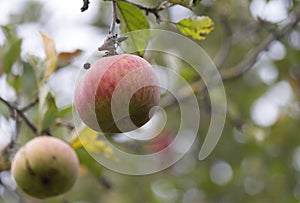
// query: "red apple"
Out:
[117,93]
[45,167]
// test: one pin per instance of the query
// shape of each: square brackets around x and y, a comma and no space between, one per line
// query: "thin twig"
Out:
[251,58]
[110,43]
[114,18]
[18,127]
[21,114]
[154,10]
[66,124]
[226,46]
[107,184]
[85,5]
[30,105]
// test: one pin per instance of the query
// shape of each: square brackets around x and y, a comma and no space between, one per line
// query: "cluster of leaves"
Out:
[132,18]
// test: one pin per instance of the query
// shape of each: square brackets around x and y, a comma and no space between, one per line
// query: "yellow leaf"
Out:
[51,56]
[65,58]
[82,170]
[89,139]
[76,143]
[4,161]
[197,27]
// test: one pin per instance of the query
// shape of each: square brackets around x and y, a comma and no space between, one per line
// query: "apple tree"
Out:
[172,101]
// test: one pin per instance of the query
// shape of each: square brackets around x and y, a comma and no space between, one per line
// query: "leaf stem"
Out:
[154,10]
[30,105]
[63,123]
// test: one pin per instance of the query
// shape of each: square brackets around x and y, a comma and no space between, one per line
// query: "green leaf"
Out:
[4,111]
[51,113]
[198,27]
[11,50]
[51,56]
[186,3]
[65,111]
[38,65]
[87,160]
[86,141]
[12,55]
[48,111]
[132,18]
[25,84]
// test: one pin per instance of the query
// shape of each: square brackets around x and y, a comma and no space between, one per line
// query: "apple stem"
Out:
[112,41]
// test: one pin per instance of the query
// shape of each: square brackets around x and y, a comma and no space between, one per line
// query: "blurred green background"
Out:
[257,159]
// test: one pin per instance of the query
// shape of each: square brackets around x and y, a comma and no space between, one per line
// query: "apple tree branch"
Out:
[245,65]
[20,112]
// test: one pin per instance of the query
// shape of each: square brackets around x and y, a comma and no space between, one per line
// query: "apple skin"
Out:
[45,167]
[117,93]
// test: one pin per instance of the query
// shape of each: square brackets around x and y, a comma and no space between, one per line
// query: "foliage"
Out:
[197,26]
[132,18]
